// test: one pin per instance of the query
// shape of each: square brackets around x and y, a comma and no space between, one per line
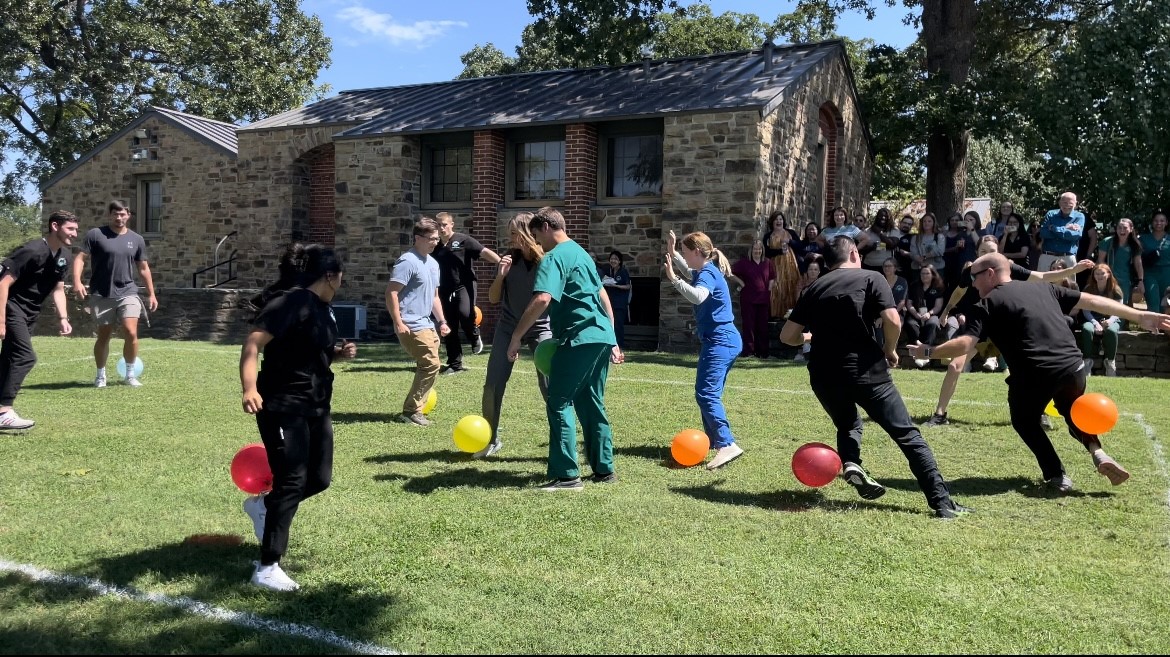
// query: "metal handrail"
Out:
[231,276]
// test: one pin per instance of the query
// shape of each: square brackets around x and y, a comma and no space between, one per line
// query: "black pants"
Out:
[1027,400]
[300,453]
[16,356]
[884,405]
[459,311]
[917,330]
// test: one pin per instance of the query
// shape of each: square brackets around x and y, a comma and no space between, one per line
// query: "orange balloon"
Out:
[478,315]
[1094,413]
[689,447]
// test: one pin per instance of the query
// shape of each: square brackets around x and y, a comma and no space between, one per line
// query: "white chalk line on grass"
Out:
[1159,452]
[242,619]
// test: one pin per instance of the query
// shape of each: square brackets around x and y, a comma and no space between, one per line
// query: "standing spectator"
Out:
[715,326]
[904,234]
[1035,244]
[848,368]
[291,396]
[839,225]
[27,276]
[810,246]
[998,224]
[1087,247]
[755,276]
[457,287]
[1099,325]
[616,279]
[1122,251]
[512,289]
[881,242]
[568,289]
[956,245]
[412,298]
[1061,233]
[1156,261]
[1015,244]
[928,246]
[117,252]
[780,247]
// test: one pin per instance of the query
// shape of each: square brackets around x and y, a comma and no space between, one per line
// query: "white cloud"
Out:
[372,23]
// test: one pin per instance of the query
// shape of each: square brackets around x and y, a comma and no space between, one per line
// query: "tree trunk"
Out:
[948,33]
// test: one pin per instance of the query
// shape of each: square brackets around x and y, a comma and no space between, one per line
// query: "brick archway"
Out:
[314,210]
[831,129]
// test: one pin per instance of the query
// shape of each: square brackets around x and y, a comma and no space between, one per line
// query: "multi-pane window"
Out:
[539,170]
[450,174]
[634,166]
[150,205]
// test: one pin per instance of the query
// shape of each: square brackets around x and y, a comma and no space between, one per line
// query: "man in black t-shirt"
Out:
[455,254]
[1027,323]
[848,368]
[27,276]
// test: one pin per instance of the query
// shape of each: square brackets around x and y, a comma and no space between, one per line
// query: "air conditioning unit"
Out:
[351,319]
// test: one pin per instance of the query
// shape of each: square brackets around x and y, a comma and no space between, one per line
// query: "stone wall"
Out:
[199,185]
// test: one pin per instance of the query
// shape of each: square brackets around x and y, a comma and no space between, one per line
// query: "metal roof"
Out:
[726,81]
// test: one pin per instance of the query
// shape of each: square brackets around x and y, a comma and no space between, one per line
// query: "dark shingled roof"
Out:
[727,81]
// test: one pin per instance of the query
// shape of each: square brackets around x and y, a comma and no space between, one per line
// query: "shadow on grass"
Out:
[784,500]
[58,385]
[462,478]
[447,456]
[987,486]
[959,422]
[378,368]
[355,418]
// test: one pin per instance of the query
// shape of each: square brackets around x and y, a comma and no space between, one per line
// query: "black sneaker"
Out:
[865,486]
[452,370]
[563,484]
[952,512]
[610,478]
[937,420]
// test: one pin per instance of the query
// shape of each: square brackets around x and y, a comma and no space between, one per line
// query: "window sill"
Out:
[629,200]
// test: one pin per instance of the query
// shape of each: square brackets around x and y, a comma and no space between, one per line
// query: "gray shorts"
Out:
[107,311]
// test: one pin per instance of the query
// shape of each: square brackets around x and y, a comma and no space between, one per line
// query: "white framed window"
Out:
[447,171]
[630,161]
[150,204]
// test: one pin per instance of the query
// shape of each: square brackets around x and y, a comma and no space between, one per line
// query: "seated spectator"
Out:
[816,265]
[1095,325]
[926,305]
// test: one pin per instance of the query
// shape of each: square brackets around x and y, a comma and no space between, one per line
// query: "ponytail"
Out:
[300,266]
[720,261]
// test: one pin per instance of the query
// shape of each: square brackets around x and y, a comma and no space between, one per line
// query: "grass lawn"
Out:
[420,549]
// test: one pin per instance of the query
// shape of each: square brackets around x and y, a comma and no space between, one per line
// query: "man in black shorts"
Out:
[1027,323]
[455,253]
[848,368]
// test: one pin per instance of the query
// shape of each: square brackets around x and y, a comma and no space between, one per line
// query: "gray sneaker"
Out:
[492,448]
[413,418]
[1061,484]
[865,485]
[1109,468]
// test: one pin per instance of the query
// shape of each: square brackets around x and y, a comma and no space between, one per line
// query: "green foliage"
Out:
[73,73]
[697,31]
[19,223]
[1006,171]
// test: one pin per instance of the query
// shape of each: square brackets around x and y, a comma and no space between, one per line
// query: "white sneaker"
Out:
[133,381]
[273,578]
[725,455]
[1088,367]
[1110,367]
[100,381]
[990,364]
[254,507]
[10,420]
[921,362]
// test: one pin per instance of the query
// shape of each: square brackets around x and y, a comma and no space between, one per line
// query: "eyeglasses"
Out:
[976,273]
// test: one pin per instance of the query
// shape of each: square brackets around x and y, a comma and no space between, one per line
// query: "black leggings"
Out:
[300,453]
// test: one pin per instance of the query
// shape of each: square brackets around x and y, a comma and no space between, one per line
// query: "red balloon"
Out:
[250,470]
[1094,413]
[689,447]
[816,464]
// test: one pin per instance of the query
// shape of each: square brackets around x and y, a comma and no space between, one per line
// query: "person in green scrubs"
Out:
[568,288]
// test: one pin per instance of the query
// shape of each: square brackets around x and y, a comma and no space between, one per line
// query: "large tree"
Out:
[72,72]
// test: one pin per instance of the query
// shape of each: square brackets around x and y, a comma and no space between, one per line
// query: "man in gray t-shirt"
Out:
[117,252]
[411,298]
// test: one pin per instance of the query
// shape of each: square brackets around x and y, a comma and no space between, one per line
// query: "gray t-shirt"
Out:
[517,295]
[113,259]
[419,277]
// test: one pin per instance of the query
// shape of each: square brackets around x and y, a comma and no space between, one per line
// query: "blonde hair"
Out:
[528,243]
[698,241]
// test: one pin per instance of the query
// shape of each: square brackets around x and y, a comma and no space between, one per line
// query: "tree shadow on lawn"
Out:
[784,500]
[377,368]
[357,418]
[463,478]
[447,456]
[218,570]
[987,486]
[959,422]
[58,385]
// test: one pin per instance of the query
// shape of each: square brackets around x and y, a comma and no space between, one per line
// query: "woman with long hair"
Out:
[882,244]
[296,331]
[715,326]
[926,307]
[1095,325]
[816,265]
[809,246]
[1015,243]
[755,276]
[928,245]
[838,224]
[616,279]
[512,289]
[781,247]
[1122,251]
[1156,258]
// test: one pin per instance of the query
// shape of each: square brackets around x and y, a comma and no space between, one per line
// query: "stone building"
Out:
[712,143]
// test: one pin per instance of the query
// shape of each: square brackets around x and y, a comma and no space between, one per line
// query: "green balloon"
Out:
[544,356]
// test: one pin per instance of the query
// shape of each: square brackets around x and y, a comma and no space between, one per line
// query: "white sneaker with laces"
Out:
[725,455]
[10,420]
[254,507]
[133,381]
[273,578]
[99,381]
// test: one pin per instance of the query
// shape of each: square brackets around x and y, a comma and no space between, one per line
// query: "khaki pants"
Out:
[423,347]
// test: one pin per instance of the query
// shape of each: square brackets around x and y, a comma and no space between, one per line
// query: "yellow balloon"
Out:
[429,404]
[1051,409]
[472,434]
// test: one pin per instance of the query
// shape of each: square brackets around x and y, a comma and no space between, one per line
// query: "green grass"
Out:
[418,548]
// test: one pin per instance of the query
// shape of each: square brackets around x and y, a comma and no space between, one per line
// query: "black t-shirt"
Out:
[1026,322]
[36,270]
[900,289]
[840,308]
[454,260]
[295,377]
[925,297]
[971,298]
